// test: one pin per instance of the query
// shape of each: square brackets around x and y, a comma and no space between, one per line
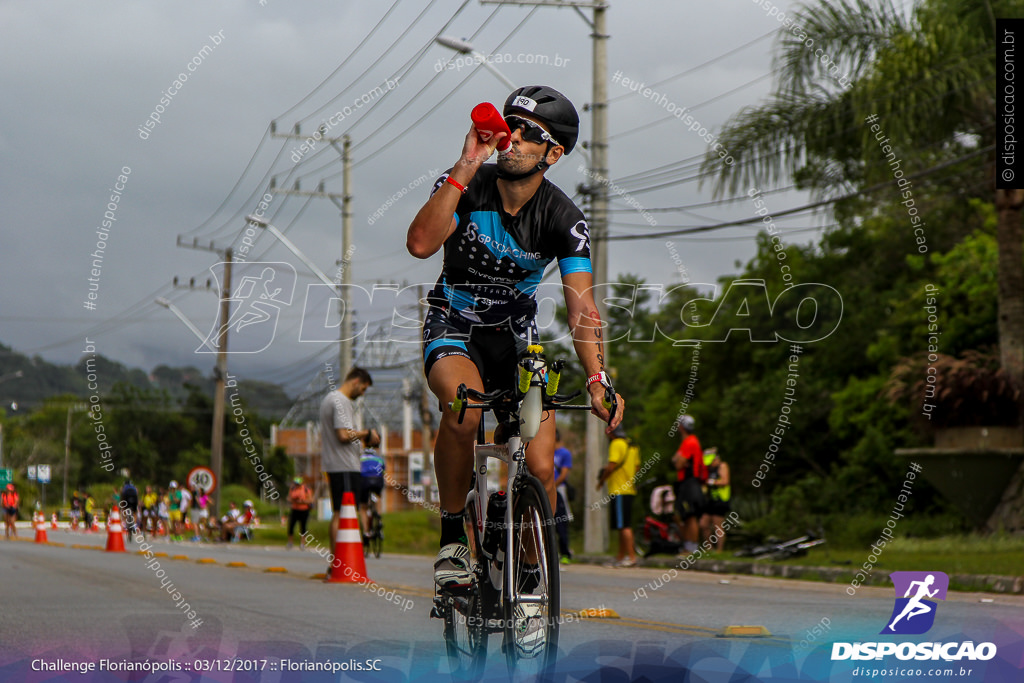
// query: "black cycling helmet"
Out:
[551,108]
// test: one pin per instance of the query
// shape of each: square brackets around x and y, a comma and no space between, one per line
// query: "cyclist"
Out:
[371,467]
[130,509]
[10,506]
[500,225]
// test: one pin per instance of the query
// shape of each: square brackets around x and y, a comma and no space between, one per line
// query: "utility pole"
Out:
[221,369]
[595,530]
[344,202]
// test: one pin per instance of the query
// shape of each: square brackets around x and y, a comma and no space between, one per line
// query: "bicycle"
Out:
[515,590]
[375,532]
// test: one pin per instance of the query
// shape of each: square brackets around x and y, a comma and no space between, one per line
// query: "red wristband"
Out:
[456,184]
[601,377]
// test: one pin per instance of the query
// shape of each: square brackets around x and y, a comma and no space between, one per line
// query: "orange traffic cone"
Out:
[53,521]
[115,539]
[349,565]
[40,523]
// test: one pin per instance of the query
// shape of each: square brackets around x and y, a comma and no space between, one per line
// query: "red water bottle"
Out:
[488,122]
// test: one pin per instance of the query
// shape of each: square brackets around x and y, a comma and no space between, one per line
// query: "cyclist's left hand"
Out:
[597,407]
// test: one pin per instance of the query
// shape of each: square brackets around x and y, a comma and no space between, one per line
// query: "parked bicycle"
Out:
[515,590]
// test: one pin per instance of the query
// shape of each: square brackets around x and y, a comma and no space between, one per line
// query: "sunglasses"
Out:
[531,131]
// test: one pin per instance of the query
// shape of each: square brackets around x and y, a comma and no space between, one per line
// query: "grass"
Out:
[412,532]
[966,554]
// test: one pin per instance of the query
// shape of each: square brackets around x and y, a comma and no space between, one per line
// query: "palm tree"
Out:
[930,80]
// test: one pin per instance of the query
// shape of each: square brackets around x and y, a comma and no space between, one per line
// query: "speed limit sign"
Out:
[202,478]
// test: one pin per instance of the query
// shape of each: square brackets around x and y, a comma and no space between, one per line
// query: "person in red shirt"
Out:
[691,474]
[301,499]
[10,504]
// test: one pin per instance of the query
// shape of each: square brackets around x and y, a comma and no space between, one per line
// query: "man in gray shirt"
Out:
[340,440]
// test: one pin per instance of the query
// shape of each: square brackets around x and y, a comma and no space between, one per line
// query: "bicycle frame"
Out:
[536,394]
[513,454]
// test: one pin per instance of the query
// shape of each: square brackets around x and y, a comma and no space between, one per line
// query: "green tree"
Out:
[929,81]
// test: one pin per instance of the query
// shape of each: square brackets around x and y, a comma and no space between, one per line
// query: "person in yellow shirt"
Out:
[620,473]
[150,514]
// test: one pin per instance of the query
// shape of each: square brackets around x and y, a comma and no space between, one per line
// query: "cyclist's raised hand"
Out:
[474,151]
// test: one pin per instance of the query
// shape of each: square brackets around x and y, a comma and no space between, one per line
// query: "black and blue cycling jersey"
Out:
[484,301]
[493,261]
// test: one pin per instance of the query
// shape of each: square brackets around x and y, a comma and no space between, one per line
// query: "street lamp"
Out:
[221,371]
[260,223]
[466,48]
[161,301]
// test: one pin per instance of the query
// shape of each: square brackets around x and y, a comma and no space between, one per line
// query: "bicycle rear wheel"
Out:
[465,632]
[376,535]
[532,611]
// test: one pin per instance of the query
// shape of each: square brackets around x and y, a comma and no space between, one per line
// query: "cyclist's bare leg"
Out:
[453,460]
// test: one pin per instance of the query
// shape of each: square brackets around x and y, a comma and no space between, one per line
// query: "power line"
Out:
[698,67]
[807,207]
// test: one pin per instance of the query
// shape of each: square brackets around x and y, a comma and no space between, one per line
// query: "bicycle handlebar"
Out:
[508,400]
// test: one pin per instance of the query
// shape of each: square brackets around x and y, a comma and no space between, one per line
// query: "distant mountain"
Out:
[40,380]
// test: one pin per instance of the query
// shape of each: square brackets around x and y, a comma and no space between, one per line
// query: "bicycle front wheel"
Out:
[532,610]
[465,630]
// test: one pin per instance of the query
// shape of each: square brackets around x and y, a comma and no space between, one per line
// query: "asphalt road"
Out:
[79,605]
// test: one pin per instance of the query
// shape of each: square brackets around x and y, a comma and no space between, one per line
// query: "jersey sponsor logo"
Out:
[500,249]
[582,233]
[524,103]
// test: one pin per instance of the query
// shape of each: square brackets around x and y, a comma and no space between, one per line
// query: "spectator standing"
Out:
[9,501]
[340,440]
[174,511]
[563,514]
[195,510]
[204,514]
[300,497]
[717,506]
[163,513]
[88,508]
[691,474]
[76,509]
[620,473]
[149,511]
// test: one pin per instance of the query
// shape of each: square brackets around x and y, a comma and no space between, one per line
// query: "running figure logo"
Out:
[914,613]
[255,304]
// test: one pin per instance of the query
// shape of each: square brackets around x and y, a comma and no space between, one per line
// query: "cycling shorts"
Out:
[370,485]
[493,349]
[689,498]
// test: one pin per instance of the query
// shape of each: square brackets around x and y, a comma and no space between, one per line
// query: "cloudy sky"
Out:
[82,80]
